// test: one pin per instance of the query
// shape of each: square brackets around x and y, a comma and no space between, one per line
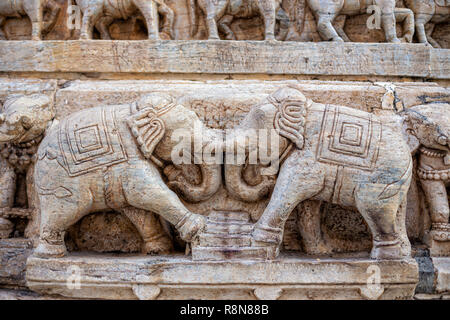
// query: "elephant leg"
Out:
[381,215]
[144,188]
[156,240]
[2,22]
[102,26]
[57,215]
[224,26]
[268,11]
[284,21]
[429,28]
[169,18]
[298,180]
[150,13]
[389,25]
[325,27]
[309,226]
[90,18]
[436,195]
[407,17]
[339,24]
[8,180]
[211,25]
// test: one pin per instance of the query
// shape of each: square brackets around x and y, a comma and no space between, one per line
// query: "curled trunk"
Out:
[195,183]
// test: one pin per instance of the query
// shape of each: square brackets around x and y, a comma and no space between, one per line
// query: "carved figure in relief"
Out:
[434,170]
[102,13]
[23,122]
[34,9]
[342,156]
[326,12]
[428,13]
[220,14]
[110,158]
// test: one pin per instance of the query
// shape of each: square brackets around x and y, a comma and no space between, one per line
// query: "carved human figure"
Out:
[327,11]
[220,15]
[102,13]
[434,171]
[342,156]
[110,158]
[34,9]
[428,13]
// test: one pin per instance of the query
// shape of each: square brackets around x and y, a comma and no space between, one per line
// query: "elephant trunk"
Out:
[241,188]
[211,180]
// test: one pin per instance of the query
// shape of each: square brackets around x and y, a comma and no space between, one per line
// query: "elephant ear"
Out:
[148,130]
[290,121]
[408,130]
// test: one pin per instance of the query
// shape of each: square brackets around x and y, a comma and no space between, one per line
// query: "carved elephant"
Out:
[34,9]
[342,156]
[434,173]
[110,158]
[327,11]
[102,13]
[428,13]
[220,15]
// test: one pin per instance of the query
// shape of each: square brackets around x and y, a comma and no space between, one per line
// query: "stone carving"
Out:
[102,13]
[343,156]
[434,174]
[327,11]
[427,14]
[23,123]
[219,15]
[34,9]
[108,158]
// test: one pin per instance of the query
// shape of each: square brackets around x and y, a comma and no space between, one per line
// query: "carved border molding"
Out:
[226,57]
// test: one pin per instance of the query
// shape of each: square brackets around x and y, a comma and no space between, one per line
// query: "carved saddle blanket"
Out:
[121,9]
[349,137]
[90,140]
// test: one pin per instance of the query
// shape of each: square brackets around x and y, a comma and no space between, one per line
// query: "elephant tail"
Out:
[392,189]
[193,21]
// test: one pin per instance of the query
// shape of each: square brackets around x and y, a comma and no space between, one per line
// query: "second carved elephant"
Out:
[342,156]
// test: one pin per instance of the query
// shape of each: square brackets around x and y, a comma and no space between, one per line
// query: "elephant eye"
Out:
[442,140]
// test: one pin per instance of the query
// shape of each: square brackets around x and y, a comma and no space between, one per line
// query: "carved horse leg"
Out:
[268,11]
[2,22]
[429,28]
[90,17]
[169,18]
[34,10]
[224,26]
[339,24]
[407,17]
[421,20]
[102,26]
[283,18]
[325,27]
[150,12]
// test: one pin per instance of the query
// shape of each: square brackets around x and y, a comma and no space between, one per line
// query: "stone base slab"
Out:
[178,277]
[226,57]
[442,274]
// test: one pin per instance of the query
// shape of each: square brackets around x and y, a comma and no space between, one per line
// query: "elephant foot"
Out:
[47,250]
[36,38]
[264,236]
[191,226]
[391,250]
[161,245]
[84,36]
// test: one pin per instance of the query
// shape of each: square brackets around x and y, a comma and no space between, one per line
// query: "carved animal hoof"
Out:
[36,38]
[266,236]
[165,36]
[46,250]
[395,40]
[84,36]
[214,38]
[338,39]
[163,245]
[391,252]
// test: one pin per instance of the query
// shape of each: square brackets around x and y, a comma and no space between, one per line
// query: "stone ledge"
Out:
[178,277]
[226,57]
